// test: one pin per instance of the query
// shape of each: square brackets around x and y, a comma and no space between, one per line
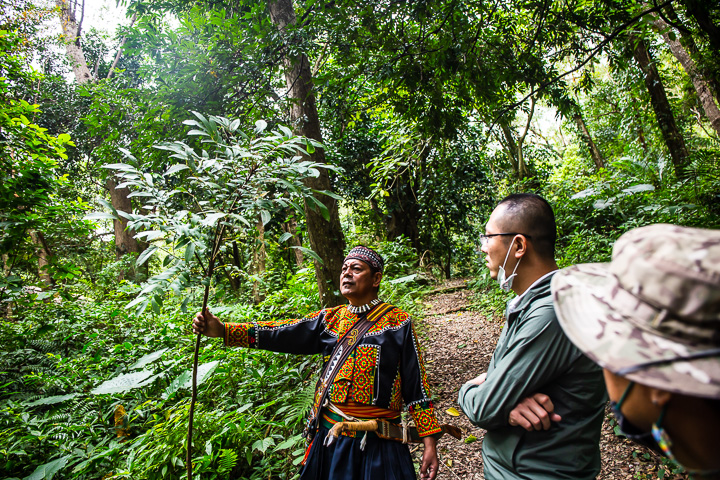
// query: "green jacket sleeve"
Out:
[537,353]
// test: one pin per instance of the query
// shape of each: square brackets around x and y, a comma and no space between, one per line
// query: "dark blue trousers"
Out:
[344,460]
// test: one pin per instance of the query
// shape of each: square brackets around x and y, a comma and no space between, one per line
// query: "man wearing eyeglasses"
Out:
[541,400]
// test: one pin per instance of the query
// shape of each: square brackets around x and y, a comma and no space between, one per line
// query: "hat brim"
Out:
[586,298]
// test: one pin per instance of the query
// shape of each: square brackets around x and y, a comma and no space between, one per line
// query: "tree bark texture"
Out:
[585,133]
[71,33]
[661,106]
[326,237]
[125,241]
[704,92]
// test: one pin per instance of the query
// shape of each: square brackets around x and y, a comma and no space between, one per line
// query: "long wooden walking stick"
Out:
[196,357]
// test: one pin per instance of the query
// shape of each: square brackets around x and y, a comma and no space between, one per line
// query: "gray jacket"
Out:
[533,355]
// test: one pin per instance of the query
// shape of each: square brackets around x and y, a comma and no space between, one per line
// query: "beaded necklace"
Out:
[363,308]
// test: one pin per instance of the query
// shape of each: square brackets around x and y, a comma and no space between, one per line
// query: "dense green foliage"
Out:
[430,113]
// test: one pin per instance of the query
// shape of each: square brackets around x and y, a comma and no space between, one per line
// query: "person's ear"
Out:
[522,245]
[377,278]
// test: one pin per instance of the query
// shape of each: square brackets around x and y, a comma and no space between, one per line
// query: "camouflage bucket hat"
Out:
[652,314]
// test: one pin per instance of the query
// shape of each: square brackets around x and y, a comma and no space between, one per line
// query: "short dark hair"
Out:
[531,215]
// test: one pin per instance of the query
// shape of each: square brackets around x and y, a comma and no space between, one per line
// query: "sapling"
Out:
[224,185]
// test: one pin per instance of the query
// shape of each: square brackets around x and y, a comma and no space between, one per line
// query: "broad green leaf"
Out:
[408,278]
[309,147]
[204,372]
[144,256]
[285,237]
[100,216]
[51,400]
[122,383]
[264,444]
[265,217]
[290,442]
[260,126]
[189,252]
[150,235]
[213,218]
[310,253]
[644,187]
[177,383]
[149,358]
[47,470]
[176,168]
[585,193]
[124,167]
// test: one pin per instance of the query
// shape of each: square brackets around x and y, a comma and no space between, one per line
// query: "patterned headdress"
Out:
[367,255]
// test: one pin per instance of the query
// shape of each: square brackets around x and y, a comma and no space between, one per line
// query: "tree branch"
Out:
[593,53]
[119,53]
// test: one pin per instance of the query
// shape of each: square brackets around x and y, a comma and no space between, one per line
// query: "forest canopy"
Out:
[287,132]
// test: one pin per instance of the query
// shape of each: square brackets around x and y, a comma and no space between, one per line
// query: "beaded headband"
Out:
[366,255]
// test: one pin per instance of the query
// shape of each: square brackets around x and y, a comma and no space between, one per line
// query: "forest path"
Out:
[458,345]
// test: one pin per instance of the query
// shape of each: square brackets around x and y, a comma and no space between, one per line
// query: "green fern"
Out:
[302,402]
[226,461]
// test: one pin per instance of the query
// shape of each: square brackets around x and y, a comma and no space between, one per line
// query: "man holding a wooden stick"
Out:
[372,365]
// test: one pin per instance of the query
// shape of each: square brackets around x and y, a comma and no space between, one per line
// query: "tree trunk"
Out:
[704,92]
[403,213]
[585,133]
[7,268]
[125,241]
[71,34]
[290,226]
[326,237]
[515,153]
[259,257]
[661,106]
[700,11]
[42,251]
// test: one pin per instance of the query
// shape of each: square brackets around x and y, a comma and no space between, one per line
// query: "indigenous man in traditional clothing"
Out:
[372,365]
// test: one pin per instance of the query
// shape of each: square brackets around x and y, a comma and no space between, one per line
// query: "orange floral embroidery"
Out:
[341,321]
[355,379]
[423,414]
[239,334]
[396,400]
[363,382]
[393,320]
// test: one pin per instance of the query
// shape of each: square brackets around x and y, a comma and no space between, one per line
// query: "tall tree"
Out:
[585,134]
[702,87]
[125,241]
[325,235]
[672,136]
[72,27]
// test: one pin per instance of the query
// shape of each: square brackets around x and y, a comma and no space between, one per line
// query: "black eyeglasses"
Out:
[484,239]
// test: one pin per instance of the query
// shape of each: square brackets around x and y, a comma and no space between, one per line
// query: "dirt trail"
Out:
[458,347]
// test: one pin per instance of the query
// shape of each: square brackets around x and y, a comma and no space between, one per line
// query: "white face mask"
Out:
[506,283]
